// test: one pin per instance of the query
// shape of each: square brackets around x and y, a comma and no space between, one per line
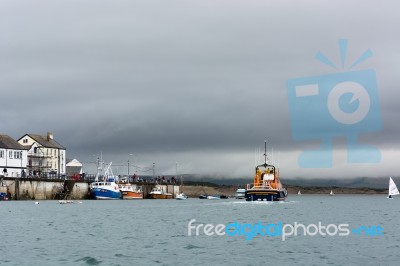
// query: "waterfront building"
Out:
[13,157]
[73,168]
[46,157]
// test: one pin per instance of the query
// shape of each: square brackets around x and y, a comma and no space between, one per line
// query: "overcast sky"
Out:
[193,84]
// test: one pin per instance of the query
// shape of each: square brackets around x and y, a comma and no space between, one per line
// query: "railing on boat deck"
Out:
[249,186]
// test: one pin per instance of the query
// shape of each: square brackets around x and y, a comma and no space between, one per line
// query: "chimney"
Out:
[49,136]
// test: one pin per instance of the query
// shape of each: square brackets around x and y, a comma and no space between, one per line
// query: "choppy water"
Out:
[155,232]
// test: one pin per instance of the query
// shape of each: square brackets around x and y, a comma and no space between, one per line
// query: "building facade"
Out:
[46,157]
[13,158]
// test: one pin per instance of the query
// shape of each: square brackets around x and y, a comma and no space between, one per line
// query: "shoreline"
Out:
[197,190]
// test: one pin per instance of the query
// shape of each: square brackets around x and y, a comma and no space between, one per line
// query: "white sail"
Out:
[393,188]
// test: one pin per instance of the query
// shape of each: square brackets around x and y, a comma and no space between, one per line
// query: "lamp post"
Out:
[128,163]
[176,170]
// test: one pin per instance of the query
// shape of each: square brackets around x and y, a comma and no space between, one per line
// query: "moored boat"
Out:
[181,196]
[129,191]
[215,197]
[266,184]
[158,193]
[240,193]
[3,196]
[107,188]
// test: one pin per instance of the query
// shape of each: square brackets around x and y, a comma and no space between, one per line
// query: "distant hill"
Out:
[357,182]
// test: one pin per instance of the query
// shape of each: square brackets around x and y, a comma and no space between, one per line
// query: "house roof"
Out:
[7,142]
[42,140]
[73,163]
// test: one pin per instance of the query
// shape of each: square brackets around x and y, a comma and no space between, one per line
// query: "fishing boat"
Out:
[240,193]
[105,187]
[158,193]
[129,191]
[392,189]
[331,193]
[266,184]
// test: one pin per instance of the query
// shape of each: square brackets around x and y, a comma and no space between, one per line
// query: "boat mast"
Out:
[265,152]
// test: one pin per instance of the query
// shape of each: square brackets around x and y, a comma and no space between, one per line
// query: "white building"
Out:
[46,157]
[13,157]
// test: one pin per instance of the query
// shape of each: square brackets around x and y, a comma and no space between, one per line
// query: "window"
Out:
[1,153]
[17,154]
[25,141]
[10,154]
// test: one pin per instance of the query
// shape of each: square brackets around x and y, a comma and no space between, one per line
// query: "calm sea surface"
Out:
[155,232]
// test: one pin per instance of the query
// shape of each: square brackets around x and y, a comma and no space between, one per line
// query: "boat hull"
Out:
[181,196]
[160,196]
[132,195]
[106,194]
[265,195]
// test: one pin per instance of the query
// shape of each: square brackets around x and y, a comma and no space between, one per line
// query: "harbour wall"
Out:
[51,189]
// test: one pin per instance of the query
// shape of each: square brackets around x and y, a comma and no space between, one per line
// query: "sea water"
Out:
[155,232]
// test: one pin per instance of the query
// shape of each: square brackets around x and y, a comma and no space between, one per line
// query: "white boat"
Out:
[240,193]
[181,196]
[299,193]
[213,197]
[65,201]
[331,193]
[392,189]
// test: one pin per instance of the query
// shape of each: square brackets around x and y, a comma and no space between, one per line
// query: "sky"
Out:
[191,86]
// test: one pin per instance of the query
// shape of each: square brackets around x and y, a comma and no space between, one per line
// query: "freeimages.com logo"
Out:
[339,104]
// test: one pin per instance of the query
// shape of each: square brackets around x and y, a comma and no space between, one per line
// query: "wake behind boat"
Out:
[105,187]
[266,185]
[392,189]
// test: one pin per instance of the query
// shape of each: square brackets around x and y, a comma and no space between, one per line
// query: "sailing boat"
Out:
[181,196]
[392,189]
[331,193]
[299,193]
